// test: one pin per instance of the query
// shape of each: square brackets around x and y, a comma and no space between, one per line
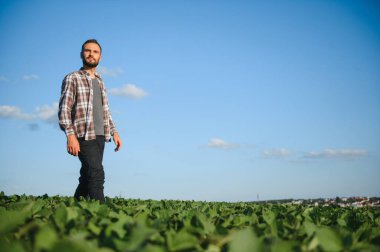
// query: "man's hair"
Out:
[91,41]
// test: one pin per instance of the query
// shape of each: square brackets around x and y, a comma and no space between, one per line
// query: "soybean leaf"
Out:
[245,241]
[181,241]
[14,246]
[284,246]
[10,220]
[140,234]
[269,216]
[329,239]
[60,217]
[152,248]
[45,238]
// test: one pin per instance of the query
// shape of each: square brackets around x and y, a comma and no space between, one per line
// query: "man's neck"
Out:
[90,70]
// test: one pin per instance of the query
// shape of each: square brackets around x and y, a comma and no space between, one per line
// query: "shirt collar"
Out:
[84,72]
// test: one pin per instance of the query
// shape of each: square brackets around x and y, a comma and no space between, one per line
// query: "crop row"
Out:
[29,223]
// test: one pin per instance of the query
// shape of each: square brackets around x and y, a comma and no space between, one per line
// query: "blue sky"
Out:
[214,100]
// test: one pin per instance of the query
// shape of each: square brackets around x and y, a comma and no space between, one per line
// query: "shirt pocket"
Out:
[83,93]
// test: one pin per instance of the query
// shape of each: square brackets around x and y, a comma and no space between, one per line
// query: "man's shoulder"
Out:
[75,74]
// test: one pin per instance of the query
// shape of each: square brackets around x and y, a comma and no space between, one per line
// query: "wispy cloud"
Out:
[302,156]
[276,153]
[47,113]
[218,143]
[129,90]
[336,153]
[3,78]
[115,72]
[14,112]
[31,77]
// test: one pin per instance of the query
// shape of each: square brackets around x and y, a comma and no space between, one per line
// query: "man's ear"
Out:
[81,55]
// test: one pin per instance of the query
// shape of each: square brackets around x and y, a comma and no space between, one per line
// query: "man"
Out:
[85,117]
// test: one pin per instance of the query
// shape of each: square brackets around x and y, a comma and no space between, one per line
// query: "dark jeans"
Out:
[91,178]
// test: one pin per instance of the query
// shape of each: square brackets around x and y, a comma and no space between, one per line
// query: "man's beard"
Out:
[90,64]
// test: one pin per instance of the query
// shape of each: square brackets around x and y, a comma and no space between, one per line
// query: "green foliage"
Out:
[44,223]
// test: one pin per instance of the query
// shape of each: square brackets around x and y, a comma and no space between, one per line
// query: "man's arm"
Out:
[73,146]
[117,141]
[114,133]
[66,102]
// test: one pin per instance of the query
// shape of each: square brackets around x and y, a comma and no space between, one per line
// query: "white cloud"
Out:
[13,112]
[337,153]
[47,113]
[31,77]
[220,144]
[276,153]
[3,78]
[324,154]
[129,90]
[110,72]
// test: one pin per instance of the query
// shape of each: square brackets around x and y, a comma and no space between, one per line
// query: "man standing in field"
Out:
[85,117]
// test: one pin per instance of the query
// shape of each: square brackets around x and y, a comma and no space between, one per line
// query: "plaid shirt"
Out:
[75,106]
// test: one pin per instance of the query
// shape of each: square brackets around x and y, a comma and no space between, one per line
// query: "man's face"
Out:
[91,55]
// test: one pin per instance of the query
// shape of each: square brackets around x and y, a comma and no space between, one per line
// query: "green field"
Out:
[29,223]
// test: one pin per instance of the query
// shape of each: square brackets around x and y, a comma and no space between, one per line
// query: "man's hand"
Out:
[73,145]
[117,141]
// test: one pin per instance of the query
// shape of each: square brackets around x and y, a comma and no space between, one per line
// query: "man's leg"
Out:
[97,177]
[82,189]
[92,179]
